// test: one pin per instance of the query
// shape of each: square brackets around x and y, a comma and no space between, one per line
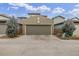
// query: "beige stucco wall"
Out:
[76,32]
[3,29]
[36,20]
[3,25]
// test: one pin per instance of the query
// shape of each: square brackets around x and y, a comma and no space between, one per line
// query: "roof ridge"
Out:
[58,16]
[5,15]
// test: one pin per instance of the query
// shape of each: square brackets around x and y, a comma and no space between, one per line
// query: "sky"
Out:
[68,10]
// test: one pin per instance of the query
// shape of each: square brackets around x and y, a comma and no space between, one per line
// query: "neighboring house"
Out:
[58,21]
[75,19]
[3,25]
[36,24]
[76,22]
[58,24]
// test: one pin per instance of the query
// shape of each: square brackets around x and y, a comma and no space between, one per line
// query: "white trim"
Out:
[51,29]
[24,29]
[38,20]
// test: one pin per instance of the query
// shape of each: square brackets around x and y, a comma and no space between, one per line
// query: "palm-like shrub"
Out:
[68,28]
[11,30]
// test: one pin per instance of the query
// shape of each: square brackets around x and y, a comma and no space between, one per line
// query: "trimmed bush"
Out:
[11,30]
[68,28]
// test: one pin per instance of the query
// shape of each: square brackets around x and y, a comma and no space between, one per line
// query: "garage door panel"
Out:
[3,28]
[38,30]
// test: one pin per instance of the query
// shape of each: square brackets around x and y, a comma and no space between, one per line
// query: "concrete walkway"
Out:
[38,45]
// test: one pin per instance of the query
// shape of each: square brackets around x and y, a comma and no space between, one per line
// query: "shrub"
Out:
[11,30]
[68,28]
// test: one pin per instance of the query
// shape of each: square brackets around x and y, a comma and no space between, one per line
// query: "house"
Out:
[58,19]
[58,24]
[75,18]
[36,24]
[3,25]
[76,22]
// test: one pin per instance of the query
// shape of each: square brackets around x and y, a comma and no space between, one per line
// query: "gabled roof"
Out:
[58,19]
[75,18]
[37,20]
[4,17]
[75,21]
[58,16]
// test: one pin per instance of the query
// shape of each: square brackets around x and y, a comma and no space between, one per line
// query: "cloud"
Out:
[77,5]
[14,7]
[58,10]
[29,7]
[74,12]
[43,8]
[26,6]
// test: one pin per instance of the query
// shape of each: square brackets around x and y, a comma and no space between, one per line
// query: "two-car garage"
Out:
[38,29]
[36,24]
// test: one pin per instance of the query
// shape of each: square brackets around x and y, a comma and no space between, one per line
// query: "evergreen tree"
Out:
[68,28]
[11,30]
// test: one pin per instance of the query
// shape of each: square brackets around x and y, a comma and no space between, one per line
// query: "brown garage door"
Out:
[3,28]
[38,30]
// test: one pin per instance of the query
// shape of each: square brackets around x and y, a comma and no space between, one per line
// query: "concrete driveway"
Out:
[38,45]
